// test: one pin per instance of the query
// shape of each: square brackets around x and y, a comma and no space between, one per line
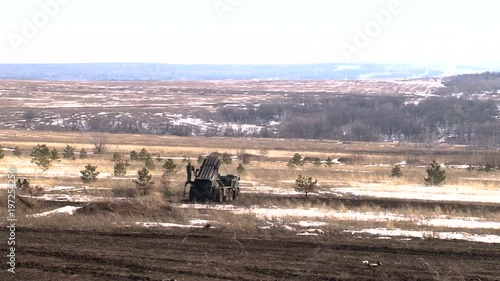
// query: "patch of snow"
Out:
[429,234]
[442,193]
[70,210]
[165,224]
[311,223]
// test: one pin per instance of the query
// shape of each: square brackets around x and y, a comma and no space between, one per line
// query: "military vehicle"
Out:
[209,185]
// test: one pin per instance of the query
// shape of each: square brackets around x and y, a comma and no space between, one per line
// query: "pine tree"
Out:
[317,162]
[54,155]
[83,154]
[41,156]
[143,154]
[305,184]
[396,171]
[89,174]
[295,161]
[116,157]
[226,158]
[169,167]
[120,168]
[17,152]
[328,162]
[246,158]
[435,175]
[240,169]
[200,159]
[69,153]
[143,181]
[134,156]
[149,163]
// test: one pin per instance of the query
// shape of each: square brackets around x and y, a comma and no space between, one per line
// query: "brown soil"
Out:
[214,254]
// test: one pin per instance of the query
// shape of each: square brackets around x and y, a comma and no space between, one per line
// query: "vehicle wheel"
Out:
[219,197]
[192,196]
[236,193]
[229,195]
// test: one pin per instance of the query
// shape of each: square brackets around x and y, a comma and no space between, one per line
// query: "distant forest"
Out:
[354,118]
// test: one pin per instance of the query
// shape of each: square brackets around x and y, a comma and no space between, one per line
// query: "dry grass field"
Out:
[358,212]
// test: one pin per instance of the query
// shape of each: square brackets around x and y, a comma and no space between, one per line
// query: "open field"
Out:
[147,107]
[106,231]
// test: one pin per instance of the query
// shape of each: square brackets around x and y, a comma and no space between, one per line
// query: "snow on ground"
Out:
[74,198]
[419,192]
[70,210]
[167,224]
[312,213]
[429,234]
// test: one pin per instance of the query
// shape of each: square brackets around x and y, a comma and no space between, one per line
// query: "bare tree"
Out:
[100,140]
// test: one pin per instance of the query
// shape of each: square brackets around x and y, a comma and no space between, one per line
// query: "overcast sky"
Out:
[251,31]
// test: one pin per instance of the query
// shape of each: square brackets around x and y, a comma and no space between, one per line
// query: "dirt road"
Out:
[212,254]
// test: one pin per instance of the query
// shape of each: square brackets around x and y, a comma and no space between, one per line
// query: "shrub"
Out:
[2,154]
[245,158]
[396,171]
[328,162]
[317,162]
[89,174]
[17,152]
[305,184]
[124,192]
[226,158]
[143,181]
[69,153]
[435,175]
[116,157]
[240,169]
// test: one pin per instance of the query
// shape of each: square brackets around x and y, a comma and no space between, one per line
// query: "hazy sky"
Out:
[250,31]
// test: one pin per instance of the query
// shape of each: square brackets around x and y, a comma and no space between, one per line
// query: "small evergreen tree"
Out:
[295,161]
[317,162]
[2,154]
[83,154]
[134,156]
[69,153]
[120,168]
[149,163]
[143,181]
[89,174]
[116,157]
[17,152]
[143,154]
[305,184]
[169,167]
[226,158]
[396,171]
[200,159]
[328,162]
[240,169]
[41,156]
[435,174]
[54,155]
[245,158]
